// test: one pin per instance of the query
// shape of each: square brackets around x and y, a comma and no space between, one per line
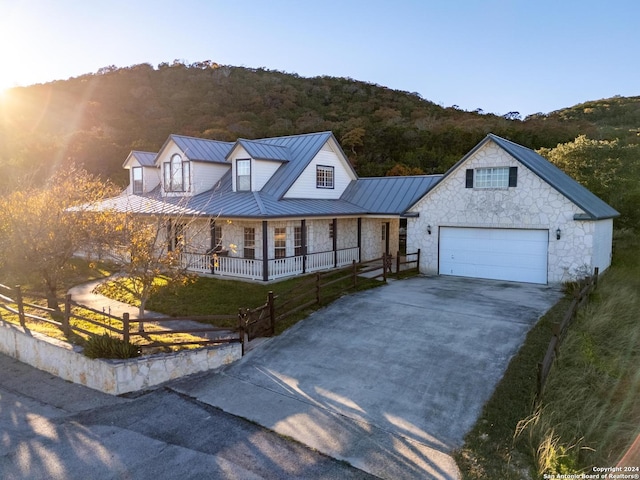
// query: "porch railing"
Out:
[320,261]
[283,267]
[196,262]
[278,268]
[346,256]
[239,267]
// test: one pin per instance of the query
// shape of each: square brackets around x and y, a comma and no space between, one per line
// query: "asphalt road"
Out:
[53,429]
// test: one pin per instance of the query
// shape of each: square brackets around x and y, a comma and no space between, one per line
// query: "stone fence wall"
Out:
[114,377]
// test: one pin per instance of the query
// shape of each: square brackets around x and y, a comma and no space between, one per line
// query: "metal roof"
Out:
[303,148]
[202,149]
[265,151]
[389,195]
[385,195]
[594,207]
[146,159]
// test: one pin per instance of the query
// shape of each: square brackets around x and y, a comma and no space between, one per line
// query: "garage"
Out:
[516,255]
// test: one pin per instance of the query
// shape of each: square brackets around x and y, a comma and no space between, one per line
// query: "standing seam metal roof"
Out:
[201,149]
[303,149]
[393,195]
[146,159]
[264,151]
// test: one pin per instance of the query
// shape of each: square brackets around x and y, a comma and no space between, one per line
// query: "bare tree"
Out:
[41,229]
[157,249]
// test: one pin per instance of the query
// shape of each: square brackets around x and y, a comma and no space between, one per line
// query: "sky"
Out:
[499,56]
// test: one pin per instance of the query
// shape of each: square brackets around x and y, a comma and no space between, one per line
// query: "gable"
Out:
[588,206]
[328,160]
[531,202]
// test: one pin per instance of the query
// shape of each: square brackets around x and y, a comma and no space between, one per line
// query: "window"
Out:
[297,241]
[217,238]
[249,242]
[176,235]
[176,175]
[280,238]
[324,176]
[136,179]
[243,175]
[493,177]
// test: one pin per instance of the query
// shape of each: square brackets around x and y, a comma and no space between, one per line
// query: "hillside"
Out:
[96,119]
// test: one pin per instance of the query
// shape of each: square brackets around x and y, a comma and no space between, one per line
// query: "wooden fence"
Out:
[314,290]
[581,296]
[251,322]
[67,320]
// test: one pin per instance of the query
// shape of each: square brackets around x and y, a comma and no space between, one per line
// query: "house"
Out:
[276,207]
[504,212]
[268,208]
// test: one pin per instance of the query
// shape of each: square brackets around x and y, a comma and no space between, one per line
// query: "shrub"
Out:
[105,346]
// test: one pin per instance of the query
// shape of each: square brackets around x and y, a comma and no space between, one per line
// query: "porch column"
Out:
[303,239]
[212,233]
[335,242]
[386,237]
[359,239]
[265,252]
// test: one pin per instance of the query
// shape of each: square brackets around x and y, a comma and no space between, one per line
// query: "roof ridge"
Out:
[199,138]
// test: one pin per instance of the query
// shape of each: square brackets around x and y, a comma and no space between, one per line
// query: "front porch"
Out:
[273,249]
[272,269]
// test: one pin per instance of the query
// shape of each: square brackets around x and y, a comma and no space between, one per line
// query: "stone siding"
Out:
[114,377]
[532,204]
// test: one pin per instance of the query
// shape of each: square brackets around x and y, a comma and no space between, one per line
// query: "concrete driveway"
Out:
[390,379]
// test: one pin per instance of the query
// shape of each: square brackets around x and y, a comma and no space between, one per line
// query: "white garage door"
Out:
[497,253]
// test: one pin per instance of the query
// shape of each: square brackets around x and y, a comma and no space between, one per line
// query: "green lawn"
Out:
[590,411]
[214,296]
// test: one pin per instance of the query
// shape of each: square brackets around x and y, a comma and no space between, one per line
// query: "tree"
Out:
[609,168]
[353,140]
[401,170]
[41,229]
[153,247]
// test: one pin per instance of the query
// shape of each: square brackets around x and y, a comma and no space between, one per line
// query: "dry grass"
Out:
[590,411]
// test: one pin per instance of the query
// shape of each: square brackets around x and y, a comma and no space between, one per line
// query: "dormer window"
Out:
[324,176]
[136,179]
[243,175]
[176,175]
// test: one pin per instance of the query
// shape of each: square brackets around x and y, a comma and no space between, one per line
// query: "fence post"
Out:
[125,327]
[20,304]
[398,263]
[596,272]
[418,262]
[318,288]
[272,313]
[355,274]
[540,381]
[241,329]
[66,318]
[384,267]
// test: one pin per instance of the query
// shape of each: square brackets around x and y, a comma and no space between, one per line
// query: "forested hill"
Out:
[96,119]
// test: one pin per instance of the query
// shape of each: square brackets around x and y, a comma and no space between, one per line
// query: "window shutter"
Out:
[469,183]
[513,176]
